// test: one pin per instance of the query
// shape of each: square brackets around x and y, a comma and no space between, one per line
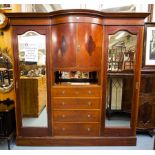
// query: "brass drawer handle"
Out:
[89,92]
[88,129]
[63,92]
[63,129]
[63,116]
[89,103]
[76,92]
[63,103]
[88,115]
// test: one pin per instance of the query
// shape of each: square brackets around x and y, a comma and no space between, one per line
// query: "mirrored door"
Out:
[33,92]
[121,68]
[32,79]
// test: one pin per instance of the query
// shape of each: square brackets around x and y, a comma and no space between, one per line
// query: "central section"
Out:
[76,75]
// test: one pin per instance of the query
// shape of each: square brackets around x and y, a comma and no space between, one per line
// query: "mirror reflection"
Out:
[121,59]
[6,72]
[32,64]
[76,77]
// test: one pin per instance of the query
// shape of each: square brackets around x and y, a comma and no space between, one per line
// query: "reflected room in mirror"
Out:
[121,52]
[32,63]
[76,77]
[6,72]
[121,59]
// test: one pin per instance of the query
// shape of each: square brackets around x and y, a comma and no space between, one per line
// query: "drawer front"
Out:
[76,92]
[76,129]
[76,115]
[76,103]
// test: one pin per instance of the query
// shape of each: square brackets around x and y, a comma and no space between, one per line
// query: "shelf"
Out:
[77,80]
[120,74]
[77,85]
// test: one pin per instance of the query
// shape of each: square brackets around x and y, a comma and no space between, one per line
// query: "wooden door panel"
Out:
[89,46]
[146,112]
[147,84]
[63,46]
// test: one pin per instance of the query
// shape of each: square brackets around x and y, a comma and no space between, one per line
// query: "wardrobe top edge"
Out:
[78,12]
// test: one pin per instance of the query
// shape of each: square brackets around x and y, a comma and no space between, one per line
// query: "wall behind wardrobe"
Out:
[6,41]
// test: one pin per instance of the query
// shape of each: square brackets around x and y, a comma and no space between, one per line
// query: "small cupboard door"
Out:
[63,46]
[89,45]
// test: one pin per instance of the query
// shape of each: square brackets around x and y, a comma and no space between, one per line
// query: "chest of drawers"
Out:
[33,95]
[76,110]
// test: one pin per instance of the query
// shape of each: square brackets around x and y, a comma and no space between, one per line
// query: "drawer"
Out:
[76,103]
[76,115]
[76,129]
[76,92]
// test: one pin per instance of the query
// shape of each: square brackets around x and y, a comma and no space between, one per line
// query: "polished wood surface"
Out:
[89,46]
[74,44]
[118,22]
[31,131]
[64,45]
[77,40]
[76,91]
[76,129]
[117,132]
[146,113]
[66,120]
[76,103]
[88,13]
[66,16]
[76,141]
[73,115]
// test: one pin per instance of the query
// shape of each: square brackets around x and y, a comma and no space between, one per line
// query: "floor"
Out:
[40,121]
[144,142]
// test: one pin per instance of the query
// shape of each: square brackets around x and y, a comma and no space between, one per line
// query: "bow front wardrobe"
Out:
[77,77]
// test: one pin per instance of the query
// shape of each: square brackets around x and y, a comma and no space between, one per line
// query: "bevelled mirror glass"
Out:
[6,72]
[121,60]
[33,87]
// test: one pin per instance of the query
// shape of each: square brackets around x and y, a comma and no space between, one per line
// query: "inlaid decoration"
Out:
[63,46]
[90,46]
